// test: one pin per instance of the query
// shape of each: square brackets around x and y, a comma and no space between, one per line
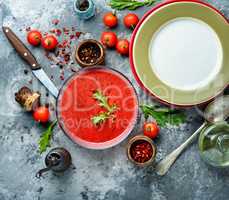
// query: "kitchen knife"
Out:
[25,53]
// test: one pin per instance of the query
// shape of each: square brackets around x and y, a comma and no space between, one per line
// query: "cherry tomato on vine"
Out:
[34,37]
[41,114]
[109,39]
[110,20]
[49,42]
[151,129]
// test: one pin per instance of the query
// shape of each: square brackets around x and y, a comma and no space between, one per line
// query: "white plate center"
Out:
[186,54]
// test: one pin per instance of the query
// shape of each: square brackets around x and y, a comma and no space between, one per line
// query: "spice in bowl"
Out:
[90,53]
[141,150]
[82,5]
[85,9]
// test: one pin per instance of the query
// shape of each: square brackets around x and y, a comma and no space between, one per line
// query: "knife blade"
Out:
[44,79]
[25,53]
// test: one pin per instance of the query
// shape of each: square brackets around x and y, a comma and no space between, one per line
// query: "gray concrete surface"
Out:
[99,175]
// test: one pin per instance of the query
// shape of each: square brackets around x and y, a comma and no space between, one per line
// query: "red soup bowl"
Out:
[83,102]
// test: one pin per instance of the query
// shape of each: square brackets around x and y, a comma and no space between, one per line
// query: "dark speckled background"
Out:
[99,175]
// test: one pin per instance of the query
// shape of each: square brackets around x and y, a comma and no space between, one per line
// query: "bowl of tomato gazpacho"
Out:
[97,107]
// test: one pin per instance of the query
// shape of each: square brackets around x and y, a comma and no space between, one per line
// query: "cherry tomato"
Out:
[131,20]
[49,42]
[110,20]
[122,47]
[109,39]
[34,37]
[41,114]
[151,129]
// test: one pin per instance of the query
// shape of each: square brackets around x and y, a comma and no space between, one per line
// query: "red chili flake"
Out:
[60,46]
[64,43]
[67,58]
[28,29]
[72,37]
[52,31]
[78,34]
[55,21]
[66,31]
[141,151]
[62,77]
[58,32]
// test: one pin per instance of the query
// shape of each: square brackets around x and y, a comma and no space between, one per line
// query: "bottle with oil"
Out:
[214,144]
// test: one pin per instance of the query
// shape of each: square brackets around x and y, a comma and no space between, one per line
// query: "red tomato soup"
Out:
[77,106]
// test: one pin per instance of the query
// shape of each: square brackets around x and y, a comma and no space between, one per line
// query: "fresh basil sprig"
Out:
[45,139]
[162,115]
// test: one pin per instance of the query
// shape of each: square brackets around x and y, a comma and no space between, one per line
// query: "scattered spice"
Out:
[28,29]
[55,21]
[78,34]
[89,53]
[141,151]
[62,56]
[66,31]
[67,58]
[26,71]
[62,77]
[52,31]
[58,32]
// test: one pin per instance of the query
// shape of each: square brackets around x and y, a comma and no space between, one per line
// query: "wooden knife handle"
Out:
[22,50]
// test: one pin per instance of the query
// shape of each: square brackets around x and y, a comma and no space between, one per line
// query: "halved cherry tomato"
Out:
[49,42]
[41,114]
[109,39]
[151,129]
[122,47]
[34,37]
[131,20]
[110,20]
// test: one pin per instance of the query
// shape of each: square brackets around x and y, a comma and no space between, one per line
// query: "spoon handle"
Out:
[163,166]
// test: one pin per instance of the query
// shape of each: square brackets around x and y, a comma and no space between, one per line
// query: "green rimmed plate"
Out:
[180,52]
